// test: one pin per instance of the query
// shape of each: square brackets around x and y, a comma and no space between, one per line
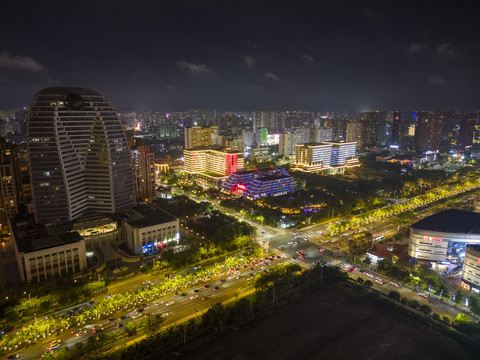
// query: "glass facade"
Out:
[78,155]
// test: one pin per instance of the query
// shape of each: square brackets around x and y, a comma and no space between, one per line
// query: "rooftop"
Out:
[31,237]
[145,215]
[451,221]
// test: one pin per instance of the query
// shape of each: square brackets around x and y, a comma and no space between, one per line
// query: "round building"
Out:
[440,239]
[471,268]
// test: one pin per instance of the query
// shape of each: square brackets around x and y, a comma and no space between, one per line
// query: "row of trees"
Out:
[108,306]
[413,274]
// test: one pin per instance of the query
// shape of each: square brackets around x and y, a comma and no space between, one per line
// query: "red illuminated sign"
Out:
[241,187]
[431,238]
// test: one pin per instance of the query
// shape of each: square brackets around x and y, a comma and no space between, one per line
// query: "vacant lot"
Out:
[334,324]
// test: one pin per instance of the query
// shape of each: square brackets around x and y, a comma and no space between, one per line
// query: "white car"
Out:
[164,315]
[170,303]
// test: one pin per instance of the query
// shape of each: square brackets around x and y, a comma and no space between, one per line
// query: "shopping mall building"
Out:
[440,240]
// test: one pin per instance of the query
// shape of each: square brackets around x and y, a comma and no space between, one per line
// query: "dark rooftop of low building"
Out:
[451,221]
[144,215]
[31,237]
[475,247]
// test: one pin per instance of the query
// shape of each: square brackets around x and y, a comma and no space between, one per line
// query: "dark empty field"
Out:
[338,323]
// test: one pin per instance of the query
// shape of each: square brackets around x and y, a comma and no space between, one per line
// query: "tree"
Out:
[404,301]
[462,318]
[360,281]
[425,309]
[414,304]
[395,295]
[368,283]
[474,304]
[436,316]
[446,318]
[131,329]
[367,261]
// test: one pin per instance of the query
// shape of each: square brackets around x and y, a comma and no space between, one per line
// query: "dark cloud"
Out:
[8,60]
[270,75]
[249,61]
[196,69]
[372,14]
[418,48]
[308,57]
[437,80]
[449,51]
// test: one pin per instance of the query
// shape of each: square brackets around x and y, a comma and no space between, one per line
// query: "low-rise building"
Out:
[41,254]
[325,156]
[255,184]
[149,229]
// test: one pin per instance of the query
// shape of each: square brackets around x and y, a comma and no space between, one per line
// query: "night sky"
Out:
[176,55]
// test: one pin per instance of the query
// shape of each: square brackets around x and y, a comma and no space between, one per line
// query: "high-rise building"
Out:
[354,132]
[79,158]
[10,182]
[143,170]
[428,132]
[198,136]
[216,161]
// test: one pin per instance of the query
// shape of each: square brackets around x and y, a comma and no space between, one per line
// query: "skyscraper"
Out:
[79,158]
[10,186]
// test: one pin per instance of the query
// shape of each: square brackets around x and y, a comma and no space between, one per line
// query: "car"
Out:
[8,329]
[320,249]
[123,317]
[216,288]
[280,248]
[170,303]
[121,325]
[196,290]
[294,258]
[184,294]
[290,242]
[140,310]
[297,242]
[193,297]
[159,303]
[75,331]
[81,331]
[55,344]
[133,316]
[164,315]
[13,356]
[206,286]
[222,280]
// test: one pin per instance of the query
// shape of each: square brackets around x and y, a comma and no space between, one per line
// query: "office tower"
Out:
[143,169]
[273,121]
[10,182]
[198,136]
[322,134]
[79,158]
[428,132]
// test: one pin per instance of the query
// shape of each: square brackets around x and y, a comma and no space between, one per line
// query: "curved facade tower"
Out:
[78,156]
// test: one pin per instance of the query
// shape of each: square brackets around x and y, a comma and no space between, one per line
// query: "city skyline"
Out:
[245,55]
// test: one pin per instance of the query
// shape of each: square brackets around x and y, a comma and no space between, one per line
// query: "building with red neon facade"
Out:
[211,164]
[255,184]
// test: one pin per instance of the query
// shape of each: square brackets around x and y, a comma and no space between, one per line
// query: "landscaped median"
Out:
[394,209]
[105,307]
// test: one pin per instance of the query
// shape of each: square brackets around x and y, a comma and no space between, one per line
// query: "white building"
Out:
[41,256]
[149,229]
